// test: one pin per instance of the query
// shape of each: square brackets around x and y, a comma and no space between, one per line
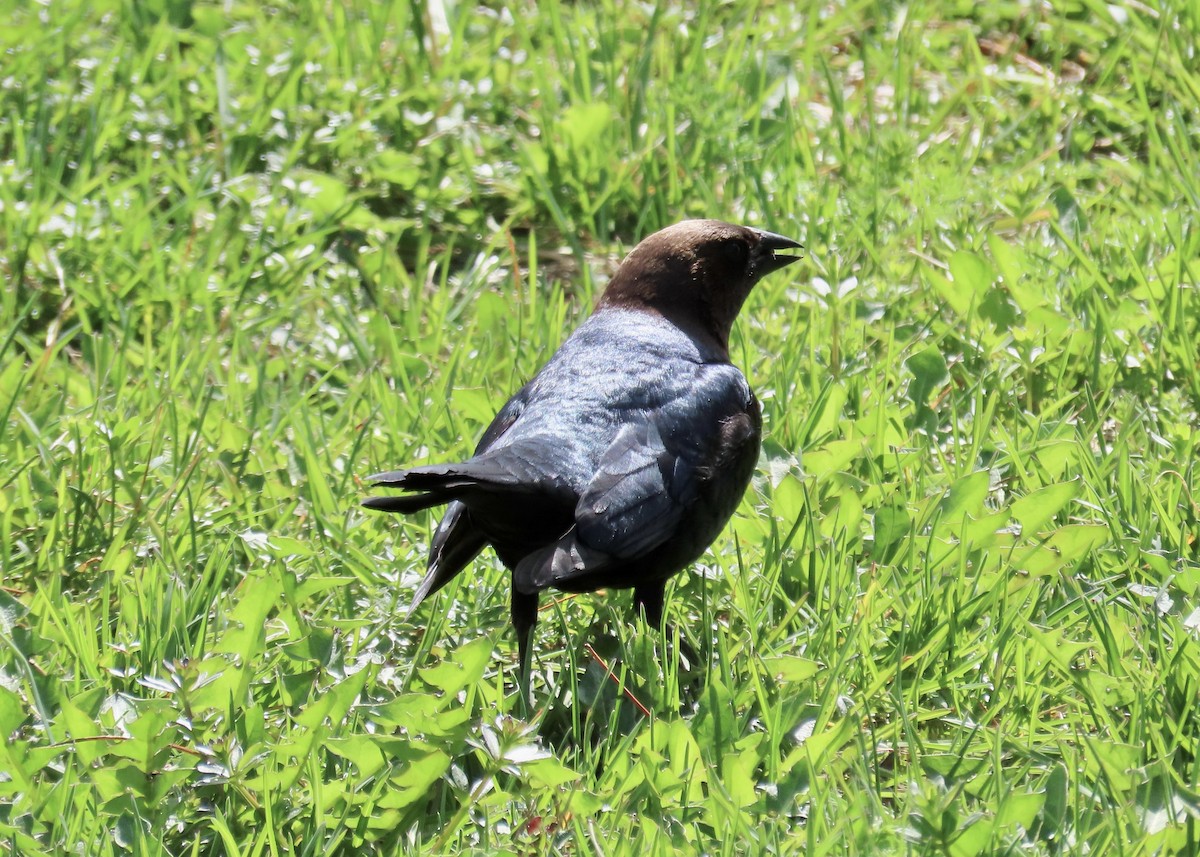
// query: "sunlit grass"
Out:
[255,252]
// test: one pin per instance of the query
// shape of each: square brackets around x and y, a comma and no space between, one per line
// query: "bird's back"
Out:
[621,367]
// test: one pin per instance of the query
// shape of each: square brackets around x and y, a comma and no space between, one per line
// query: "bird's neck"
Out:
[711,341]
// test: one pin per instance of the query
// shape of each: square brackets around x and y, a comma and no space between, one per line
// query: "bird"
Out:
[619,463]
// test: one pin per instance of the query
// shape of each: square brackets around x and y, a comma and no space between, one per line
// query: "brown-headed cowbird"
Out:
[620,462]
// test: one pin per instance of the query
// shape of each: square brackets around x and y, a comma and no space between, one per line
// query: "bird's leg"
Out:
[524,617]
[649,598]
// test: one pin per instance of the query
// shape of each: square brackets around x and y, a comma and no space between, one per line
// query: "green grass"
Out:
[255,252]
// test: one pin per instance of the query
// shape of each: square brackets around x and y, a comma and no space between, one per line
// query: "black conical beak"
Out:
[767,257]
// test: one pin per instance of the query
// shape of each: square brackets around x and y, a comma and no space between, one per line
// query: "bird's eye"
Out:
[735,251]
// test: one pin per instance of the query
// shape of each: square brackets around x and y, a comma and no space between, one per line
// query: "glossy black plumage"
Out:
[618,464]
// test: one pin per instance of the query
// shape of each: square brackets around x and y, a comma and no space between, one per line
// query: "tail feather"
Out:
[434,485]
[522,467]
[405,505]
[455,544]
[426,478]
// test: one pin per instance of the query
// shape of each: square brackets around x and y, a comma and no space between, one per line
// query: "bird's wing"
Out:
[635,502]
[638,495]
[645,490]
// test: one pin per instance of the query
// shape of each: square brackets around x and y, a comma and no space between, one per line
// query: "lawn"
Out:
[254,252]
